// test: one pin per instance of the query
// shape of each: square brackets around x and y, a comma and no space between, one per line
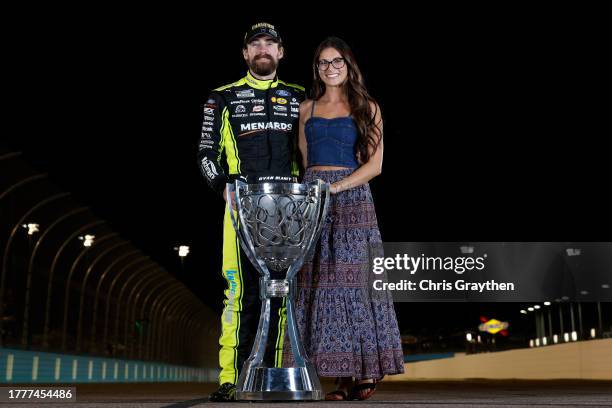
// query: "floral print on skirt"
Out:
[346,331]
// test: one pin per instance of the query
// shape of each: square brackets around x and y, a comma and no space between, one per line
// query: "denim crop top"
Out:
[331,142]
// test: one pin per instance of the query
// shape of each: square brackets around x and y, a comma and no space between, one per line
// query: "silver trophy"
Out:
[278,225]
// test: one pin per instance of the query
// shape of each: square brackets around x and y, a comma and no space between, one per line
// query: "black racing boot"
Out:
[225,393]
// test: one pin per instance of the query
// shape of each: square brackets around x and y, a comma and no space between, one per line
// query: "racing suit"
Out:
[249,131]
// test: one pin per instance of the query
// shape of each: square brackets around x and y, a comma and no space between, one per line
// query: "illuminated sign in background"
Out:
[493,326]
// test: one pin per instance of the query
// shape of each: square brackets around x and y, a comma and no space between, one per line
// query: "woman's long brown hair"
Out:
[370,133]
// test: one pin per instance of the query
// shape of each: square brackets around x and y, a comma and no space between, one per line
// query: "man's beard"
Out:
[263,65]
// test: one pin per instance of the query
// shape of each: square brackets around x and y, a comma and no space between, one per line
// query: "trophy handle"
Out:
[297,348]
[257,354]
[299,353]
[320,211]
[245,239]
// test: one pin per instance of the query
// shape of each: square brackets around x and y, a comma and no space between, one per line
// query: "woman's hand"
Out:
[340,186]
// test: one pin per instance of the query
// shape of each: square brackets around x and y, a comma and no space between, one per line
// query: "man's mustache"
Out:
[258,57]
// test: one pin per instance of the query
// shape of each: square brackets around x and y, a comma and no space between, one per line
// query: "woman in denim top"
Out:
[348,333]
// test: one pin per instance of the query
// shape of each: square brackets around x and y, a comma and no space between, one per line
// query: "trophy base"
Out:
[280,396]
[279,384]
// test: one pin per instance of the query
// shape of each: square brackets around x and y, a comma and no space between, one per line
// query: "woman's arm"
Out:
[304,110]
[370,169]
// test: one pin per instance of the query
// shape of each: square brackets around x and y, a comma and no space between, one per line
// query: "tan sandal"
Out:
[337,395]
[340,394]
[370,387]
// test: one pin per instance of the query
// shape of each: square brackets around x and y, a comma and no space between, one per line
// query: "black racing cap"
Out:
[261,29]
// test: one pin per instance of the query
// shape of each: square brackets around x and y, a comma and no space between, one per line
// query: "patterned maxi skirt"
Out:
[347,331]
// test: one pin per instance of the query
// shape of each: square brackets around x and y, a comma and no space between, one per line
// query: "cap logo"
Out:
[263,25]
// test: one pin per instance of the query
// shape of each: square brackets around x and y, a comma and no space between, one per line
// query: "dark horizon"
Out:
[491,133]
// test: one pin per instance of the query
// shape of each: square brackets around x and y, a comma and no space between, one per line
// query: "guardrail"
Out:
[19,366]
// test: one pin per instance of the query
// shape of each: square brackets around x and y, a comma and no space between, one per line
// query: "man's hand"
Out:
[233,194]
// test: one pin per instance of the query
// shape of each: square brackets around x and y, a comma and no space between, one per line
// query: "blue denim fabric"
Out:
[331,142]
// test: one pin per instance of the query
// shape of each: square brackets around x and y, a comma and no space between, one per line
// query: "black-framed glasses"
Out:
[338,63]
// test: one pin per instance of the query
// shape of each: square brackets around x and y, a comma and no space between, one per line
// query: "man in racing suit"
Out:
[249,132]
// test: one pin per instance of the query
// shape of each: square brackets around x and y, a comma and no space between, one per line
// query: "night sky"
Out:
[492,122]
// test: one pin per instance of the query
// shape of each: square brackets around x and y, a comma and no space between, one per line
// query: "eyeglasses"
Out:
[338,63]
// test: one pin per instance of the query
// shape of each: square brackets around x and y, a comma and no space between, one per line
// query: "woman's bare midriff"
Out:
[323,168]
